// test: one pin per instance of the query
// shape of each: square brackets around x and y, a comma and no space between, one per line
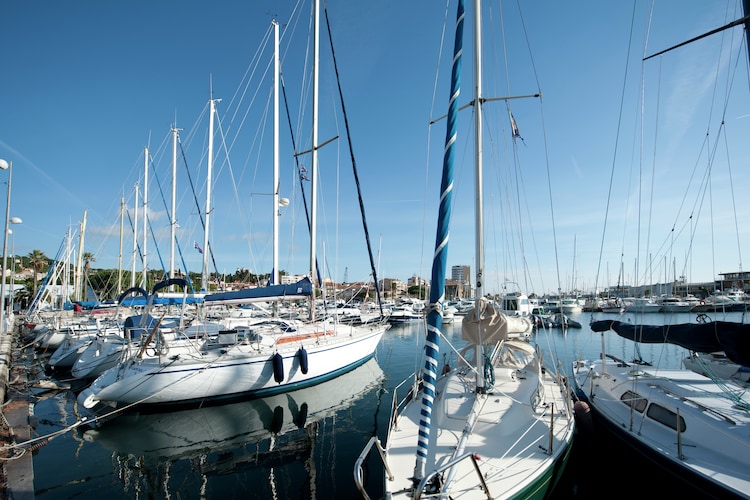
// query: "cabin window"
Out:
[634,400]
[665,416]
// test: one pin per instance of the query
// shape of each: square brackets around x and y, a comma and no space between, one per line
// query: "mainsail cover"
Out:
[485,324]
[300,290]
[440,257]
[732,338]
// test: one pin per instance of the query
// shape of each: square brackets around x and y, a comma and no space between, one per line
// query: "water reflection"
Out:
[281,447]
[213,447]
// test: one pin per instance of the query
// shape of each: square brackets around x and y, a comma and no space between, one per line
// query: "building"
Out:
[392,287]
[461,281]
[462,274]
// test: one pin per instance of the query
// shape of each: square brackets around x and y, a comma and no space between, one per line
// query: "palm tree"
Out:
[88,258]
[38,260]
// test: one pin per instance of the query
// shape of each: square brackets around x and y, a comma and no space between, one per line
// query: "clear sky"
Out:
[86,85]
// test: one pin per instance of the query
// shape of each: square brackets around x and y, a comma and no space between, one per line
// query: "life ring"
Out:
[703,302]
[278,367]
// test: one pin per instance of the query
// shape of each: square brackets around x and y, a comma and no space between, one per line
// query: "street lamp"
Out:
[4,165]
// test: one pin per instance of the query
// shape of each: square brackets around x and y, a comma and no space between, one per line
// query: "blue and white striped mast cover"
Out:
[437,288]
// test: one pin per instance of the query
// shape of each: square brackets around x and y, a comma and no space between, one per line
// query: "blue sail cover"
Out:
[730,337]
[440,257]
[300,290]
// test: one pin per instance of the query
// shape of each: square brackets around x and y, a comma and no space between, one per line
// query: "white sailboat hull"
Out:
[174,435]
[69,350]
[712,451]
[242,369]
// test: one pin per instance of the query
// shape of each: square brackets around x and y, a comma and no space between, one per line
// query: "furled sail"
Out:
[732,338]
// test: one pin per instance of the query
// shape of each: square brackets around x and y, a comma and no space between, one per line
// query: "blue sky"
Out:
[87,85]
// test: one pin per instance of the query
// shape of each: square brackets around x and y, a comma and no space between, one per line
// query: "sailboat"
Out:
[681,423]
[498,425]
[690,425]
[160,436]
[261,359]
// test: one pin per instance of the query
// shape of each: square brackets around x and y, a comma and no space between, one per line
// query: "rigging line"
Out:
[153,236]
[354,166]
[132,228]
[514,174]
[730,81]
[614,155]
[248,77]
[166,209]
[653,174]
[300,176]
[417,351]
[737,22]
[184,265]
[195,198]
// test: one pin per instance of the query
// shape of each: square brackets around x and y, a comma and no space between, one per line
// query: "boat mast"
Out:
[479,238]
[144,281]
[275,202]
[173,222]
[68,263]
[119,257]
[135,237]
[79,285]
[206,250]
[314,165]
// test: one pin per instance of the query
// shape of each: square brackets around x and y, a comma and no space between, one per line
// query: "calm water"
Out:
[304,444]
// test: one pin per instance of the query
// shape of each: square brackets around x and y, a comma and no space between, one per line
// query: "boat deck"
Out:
[508,449]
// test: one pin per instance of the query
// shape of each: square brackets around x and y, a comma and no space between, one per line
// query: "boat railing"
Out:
[428,478]
[396,405]
[358,477]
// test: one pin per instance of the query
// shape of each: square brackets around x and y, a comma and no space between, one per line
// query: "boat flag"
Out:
[303,173]
[195,245]
[514,127]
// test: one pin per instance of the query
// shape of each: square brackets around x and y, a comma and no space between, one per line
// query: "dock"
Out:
[17,474]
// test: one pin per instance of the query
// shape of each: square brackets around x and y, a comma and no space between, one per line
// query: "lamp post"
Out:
[4,165]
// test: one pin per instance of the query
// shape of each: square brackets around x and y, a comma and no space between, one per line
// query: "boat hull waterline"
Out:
[230,372]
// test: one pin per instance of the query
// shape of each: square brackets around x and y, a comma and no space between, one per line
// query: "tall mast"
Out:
[79,284]
[314,166]
[275,271]
[135,237]
[144,281]
[479,207]
[173,222]
[119,257]
[209,173]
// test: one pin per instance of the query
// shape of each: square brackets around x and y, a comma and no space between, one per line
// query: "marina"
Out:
[285,446]
[247,363]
